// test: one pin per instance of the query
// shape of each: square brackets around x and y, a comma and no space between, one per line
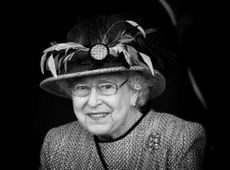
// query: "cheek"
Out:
[121,106]
[78,109]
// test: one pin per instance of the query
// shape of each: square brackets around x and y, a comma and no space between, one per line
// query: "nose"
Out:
[93,99]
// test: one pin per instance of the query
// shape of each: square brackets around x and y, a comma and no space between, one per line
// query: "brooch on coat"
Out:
[153,141]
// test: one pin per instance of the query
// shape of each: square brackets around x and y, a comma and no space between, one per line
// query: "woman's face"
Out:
[104,115]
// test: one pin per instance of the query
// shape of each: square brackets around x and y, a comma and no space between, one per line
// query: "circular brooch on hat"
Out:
[99,51]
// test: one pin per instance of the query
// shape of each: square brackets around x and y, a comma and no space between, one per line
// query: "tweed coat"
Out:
[157,141]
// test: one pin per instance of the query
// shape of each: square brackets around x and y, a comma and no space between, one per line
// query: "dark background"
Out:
[30,27]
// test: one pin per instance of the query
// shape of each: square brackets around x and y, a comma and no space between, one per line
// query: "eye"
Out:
[81,87]
[107,86]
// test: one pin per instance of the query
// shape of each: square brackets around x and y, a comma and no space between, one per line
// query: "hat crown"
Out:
[117,44]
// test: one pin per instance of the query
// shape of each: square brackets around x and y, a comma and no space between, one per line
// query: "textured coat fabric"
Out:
[157,141]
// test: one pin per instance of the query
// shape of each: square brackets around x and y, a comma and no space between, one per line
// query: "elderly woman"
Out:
[106,69]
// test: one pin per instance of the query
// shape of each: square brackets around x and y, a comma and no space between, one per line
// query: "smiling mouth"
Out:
[97,116]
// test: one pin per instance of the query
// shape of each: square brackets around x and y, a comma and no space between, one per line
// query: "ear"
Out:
[134,96]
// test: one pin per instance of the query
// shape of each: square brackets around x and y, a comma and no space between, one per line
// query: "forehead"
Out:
[116,77]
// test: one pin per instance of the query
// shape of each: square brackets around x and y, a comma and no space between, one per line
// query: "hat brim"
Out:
[55,85]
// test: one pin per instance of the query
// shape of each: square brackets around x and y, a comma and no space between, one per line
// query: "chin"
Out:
[98,130]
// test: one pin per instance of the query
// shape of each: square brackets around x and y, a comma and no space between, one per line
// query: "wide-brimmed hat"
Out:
[122,53]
